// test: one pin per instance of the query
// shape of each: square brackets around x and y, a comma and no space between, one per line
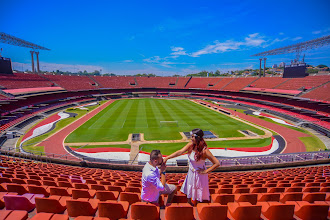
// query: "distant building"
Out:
[274,66]
[282,64]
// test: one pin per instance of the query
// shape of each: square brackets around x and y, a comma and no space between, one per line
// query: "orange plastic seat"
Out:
[311,189]
[83,193]
[284,185]
[130,197]
[307,211]
[251,198]
[53,204]
[291,197]
[133,189]
[223,199]
[97,187]
[5,180]
[18,181]
[89,181]
[224,191]
[116,188]
[2,202]
[60,191]
[313,184]
[113,209]
[50,216]
[210,211]
[105,183]
[268,197]
[294,189]
[64,184]
[49,183]
[325,189]
[80,207]
[180,198]
[241,190]
[312,197]
[145,211]
[131,184]
[276,210]
[179,211]
[34,182]
[39,190]
[276,190]
[107,195]
[19,189]
[298,184]
[13,215]
[258,190]
[120,184]
[244,211]
[81,186]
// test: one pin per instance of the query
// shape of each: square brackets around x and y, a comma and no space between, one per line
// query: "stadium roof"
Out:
[8,39]
[307,45]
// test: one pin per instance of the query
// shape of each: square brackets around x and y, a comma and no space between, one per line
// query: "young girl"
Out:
[196,184]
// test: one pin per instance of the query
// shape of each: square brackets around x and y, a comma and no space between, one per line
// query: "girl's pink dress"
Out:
[196,185]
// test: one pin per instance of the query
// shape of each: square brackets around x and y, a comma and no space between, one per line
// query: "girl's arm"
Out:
[178,153]
[213,159]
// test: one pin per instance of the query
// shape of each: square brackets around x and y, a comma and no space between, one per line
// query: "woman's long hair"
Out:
[199,145]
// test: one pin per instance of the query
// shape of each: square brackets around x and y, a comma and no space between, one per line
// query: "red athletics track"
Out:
[293,144]
[54,143]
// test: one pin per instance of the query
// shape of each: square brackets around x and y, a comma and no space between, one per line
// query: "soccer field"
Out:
[126,116]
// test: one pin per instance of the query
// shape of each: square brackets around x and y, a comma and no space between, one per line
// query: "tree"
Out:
[312,71]
[321,66]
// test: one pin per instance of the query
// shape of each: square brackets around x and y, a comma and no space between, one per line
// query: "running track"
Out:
[54,143]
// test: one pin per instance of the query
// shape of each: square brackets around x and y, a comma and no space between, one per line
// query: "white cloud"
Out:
[281,33]
[164,61]
[154,59]
[296,38]
[178,51]
[127,61]
[177,48]
[252,40]
[321,31]
[276,40]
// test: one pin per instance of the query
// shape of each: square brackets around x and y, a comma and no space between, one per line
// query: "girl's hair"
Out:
[199,145]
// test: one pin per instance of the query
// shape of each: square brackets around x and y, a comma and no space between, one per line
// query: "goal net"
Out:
[169,124]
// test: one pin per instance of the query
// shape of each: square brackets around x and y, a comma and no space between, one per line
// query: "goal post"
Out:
[169,124]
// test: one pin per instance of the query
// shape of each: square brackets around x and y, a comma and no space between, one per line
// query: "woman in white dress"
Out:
[196,184]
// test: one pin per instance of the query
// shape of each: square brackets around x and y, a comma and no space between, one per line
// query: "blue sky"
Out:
[165,38]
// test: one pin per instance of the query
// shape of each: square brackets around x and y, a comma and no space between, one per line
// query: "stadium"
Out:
[73,146]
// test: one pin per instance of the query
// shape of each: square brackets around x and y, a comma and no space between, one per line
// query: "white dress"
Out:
[196,185]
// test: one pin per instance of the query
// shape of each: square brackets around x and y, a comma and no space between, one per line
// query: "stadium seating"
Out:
[268,82]
[307,82]
[239,83]
[320,93]
[23,80]
[202,82]
[72,83]
[156,82]
[115,81]
[307,203]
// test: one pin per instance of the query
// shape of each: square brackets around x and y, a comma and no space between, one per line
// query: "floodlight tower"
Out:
[9,39]
[295,48]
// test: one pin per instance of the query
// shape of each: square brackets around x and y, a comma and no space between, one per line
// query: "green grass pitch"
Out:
[126,116]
